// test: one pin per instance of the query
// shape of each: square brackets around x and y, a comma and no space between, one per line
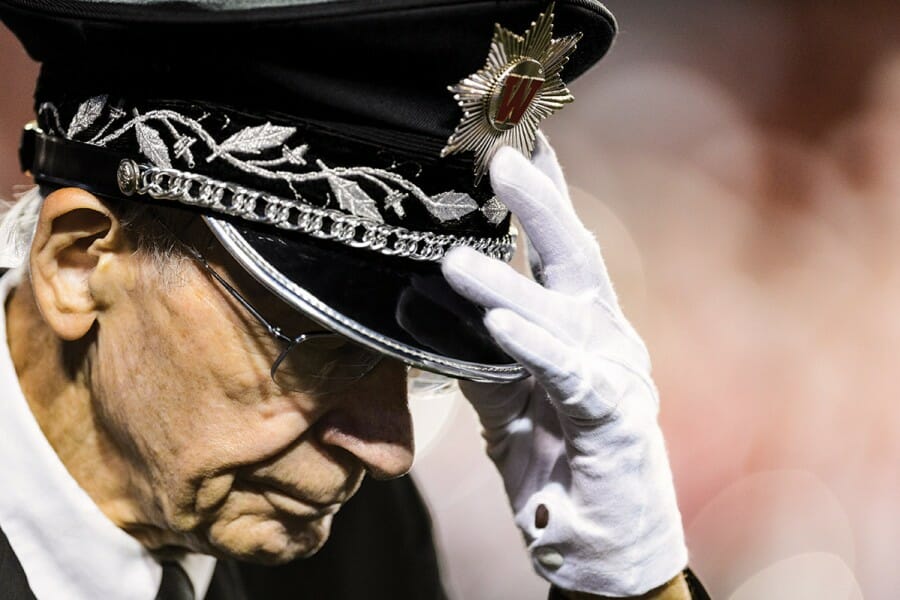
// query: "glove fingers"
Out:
[497,404]
[569,256]
[493,284]
[534,262]
[544,158]
[555,365]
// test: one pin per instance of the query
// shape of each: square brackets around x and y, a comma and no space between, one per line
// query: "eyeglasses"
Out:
[315,361]
[319,361]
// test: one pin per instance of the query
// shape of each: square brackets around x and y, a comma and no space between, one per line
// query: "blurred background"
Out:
[739,161]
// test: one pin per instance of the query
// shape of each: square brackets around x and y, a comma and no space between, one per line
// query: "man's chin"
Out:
[267,540]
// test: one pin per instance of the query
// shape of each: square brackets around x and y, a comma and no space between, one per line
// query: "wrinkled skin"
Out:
[157,397]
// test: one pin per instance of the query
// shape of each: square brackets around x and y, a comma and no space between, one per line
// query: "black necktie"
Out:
[175,584]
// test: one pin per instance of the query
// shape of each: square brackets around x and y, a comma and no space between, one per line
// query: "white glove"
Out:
[580,436]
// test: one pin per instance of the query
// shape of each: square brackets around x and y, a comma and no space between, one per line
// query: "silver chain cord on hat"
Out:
[323,223]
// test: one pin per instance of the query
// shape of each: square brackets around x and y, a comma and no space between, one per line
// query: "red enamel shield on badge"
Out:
[516,97]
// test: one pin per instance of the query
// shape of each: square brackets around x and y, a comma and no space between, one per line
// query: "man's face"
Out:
[218,454]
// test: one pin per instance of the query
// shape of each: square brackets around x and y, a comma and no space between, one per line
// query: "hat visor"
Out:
[397,306]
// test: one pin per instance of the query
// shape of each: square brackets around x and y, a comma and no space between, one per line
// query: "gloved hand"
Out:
[578,445]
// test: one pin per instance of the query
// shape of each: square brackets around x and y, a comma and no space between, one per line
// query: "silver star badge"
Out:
[504,103]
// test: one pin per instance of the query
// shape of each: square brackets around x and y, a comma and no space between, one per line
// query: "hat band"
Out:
[59,161]
[289,158]
[234,200]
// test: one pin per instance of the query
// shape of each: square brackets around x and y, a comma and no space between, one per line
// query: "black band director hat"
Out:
[336,148]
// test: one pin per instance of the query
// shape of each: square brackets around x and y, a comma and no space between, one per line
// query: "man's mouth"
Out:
[286,499]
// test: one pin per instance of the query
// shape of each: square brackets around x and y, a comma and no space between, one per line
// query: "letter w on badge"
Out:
[518,92]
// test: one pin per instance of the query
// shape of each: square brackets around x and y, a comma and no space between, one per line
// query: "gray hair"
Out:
[18,221]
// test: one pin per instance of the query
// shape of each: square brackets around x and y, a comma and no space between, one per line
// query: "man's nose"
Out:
[372,422]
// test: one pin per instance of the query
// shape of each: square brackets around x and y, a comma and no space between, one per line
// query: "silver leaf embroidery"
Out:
[343,181]
[494,211]
[448,206]
[87,113]
[353,199]
[152,145]
[296,156]
[182,149]
[394,201]
[252,140]
[48,107]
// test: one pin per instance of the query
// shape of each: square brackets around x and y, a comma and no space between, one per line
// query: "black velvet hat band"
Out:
[396,179]
[299,176]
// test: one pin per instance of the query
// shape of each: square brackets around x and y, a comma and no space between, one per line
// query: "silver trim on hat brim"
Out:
[300,299]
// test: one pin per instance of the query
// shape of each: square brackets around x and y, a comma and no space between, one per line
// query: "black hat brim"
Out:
[398,306]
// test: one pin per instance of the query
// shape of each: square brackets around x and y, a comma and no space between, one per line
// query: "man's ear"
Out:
[76,238]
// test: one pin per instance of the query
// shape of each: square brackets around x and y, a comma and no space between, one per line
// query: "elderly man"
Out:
[246,233]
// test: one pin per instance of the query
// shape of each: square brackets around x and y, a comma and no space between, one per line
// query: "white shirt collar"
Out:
[68,548]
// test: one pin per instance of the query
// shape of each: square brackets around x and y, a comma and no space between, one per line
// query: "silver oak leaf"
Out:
[449,206]
[494,211]
[353,199]
[253,140]
[152,146]
[86,114]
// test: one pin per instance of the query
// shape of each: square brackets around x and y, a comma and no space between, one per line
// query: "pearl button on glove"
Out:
[577,443]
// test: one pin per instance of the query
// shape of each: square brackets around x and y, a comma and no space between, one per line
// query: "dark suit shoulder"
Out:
[13,581]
